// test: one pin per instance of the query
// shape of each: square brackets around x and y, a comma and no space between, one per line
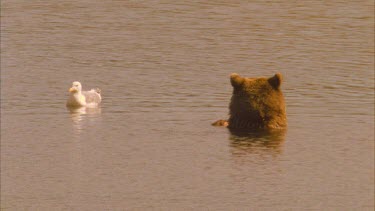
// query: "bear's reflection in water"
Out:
[263,142]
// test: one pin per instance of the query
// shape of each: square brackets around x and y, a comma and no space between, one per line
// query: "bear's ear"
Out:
[236,80]
[276,80]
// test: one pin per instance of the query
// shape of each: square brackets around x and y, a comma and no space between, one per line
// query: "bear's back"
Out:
[257,103]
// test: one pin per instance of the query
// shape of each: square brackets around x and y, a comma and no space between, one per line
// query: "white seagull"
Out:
[79,98]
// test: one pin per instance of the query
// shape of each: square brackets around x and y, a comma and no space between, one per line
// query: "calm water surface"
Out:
[164,72]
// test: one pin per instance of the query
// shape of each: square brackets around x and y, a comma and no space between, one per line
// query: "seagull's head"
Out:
[76,87]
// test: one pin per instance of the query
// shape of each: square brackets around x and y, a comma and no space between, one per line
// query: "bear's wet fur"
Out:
[256,103]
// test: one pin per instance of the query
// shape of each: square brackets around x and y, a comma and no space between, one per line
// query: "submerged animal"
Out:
[256,103]
[79,98]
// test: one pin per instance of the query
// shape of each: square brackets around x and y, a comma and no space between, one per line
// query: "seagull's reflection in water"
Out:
[78,115]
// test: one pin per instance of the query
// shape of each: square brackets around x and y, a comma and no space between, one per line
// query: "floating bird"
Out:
[79,98]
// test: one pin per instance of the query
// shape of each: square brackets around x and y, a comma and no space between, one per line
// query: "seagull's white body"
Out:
[79,98]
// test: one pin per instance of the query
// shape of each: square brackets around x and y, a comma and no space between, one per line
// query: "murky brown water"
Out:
[163,69]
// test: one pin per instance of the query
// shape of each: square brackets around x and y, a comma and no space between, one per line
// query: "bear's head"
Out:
[257,103]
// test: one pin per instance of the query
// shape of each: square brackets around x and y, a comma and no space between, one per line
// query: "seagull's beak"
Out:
[72,90]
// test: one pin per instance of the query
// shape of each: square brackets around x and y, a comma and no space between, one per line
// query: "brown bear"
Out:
[256,103]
